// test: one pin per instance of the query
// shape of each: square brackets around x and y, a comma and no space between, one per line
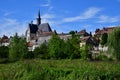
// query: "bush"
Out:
[17,48]
[41,51]
[102,57]
[4,52]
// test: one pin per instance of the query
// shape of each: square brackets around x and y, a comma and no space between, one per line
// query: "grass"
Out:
[37,69]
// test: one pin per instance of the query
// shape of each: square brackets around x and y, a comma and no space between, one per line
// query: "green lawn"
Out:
[37,69]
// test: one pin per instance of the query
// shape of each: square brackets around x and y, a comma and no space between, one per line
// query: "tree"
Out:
[56,47]
[72,48]
[85,52]
[72,32]
[17,48]
[104,38]
[23,48]
[4,51]
[41,51]
[113,43]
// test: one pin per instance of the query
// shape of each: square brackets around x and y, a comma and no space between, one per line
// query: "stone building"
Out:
[40,33]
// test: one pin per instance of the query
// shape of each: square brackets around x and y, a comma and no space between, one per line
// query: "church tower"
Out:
[39,18]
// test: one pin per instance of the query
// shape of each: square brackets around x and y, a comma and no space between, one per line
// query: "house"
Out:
[108,30]
[65,36]
[88,40]
[83,33]
[4,41]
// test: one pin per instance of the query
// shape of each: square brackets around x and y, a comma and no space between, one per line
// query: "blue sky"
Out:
[62,15]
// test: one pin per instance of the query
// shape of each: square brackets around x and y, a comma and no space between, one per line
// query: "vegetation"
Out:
[113,43]
[104,38]
[85,53]
[4,52]
[17,48]
[70,68]
[56,47]
[41,51]
[36,69]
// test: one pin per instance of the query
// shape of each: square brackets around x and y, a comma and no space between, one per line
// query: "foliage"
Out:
[72,32]
[72,47]
[85,52]
[41,51]
[60,70]
[102,57]
[113,43]
[104,38]
[17,48]
[56,47]
[4,52]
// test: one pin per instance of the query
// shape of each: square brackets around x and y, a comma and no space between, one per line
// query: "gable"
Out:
[45,27]
[33,28]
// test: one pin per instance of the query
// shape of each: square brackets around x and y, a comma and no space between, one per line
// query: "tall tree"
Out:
[41,51]
[72,47]
[104,38]
[17,48]
[113,43]
[23,48]
[56,47]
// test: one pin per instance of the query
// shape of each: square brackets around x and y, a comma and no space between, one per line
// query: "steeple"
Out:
[39,18]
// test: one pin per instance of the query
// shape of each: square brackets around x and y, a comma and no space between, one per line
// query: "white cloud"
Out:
[8,13]
[107,19]
[47,4]
[89,13]
[10,26]
[48,16]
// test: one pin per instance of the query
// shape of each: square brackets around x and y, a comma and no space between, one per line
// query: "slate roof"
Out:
[45,27]
[33,28]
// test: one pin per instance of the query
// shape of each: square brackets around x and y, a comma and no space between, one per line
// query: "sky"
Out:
[62,15]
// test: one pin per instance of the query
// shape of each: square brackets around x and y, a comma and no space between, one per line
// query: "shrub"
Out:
[4,52]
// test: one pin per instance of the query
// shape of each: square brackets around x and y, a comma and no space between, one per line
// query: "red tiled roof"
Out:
[82,32]
[30,44]
[105,30]
[84,39]
[46,34]
[4,39]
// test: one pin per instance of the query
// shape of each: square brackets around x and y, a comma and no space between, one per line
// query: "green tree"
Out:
[72,32]
[72,48]
[104,38]
[23,48]
[56,47]
[17,48]
[41,51]
[113,43]
[4,52]
[85,52]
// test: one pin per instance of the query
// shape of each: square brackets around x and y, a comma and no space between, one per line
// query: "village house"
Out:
[99,33]
[4,41]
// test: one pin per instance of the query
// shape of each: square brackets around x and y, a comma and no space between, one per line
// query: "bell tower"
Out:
[38,18]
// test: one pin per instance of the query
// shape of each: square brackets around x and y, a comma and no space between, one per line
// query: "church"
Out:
[36,30]
[38,33]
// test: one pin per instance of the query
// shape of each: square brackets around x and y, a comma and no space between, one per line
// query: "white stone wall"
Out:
[65,37]
[43,39]
[5,44]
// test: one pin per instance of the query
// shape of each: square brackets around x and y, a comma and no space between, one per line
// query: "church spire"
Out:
[39,18]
